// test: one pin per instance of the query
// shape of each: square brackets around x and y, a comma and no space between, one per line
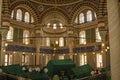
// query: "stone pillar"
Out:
[103,33]
[5,14]
[114,34]
[70,42]
[38,43]
[5,23]
[102,27]
[0,11]
[3,49]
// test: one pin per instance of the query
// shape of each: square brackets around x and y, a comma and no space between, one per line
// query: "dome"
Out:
[56,2]
[54,23]
[54,26]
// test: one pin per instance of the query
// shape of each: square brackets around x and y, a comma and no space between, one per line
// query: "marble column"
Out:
[103,36]
[70,40]
[5,14]
[114,35]
[3,48]
[4,26]
[0,11]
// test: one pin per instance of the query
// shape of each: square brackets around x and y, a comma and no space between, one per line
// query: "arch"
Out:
[56,10]
[28,6]
[82,6]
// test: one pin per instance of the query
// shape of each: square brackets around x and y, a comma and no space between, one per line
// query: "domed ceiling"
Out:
[56,2]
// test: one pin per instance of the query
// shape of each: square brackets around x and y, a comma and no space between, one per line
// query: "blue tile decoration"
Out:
[46,51]
[87,49]
[21,48]
[57,51]
[62,51]
[51,51]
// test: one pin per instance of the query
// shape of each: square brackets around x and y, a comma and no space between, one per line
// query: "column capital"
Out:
[3,31]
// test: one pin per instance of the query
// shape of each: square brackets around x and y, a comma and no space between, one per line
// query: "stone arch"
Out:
[28,6]
[57,10]
[83,6]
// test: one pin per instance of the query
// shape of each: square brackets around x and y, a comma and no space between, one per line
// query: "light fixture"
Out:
[6,44]
[23,52]
[103,44]
[14,52]
[84,43]
[56,42]
[54,49]
[93,52]
[75,54]
[53,54]
[108,47]
[27,43]
[101,51]
[4,50]
[106,50]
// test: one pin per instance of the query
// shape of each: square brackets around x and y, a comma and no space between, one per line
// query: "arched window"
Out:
[99,60]
[76,20]
[32,20]
[89,15]
[19,15]
[10,34]
[27,17]
[83,59]
[61,42]
[48,25]
[98,37]
[26,60]
[61,25]
[6,59]
[26,34]
[82,36]
[10,59]
[46,59]
[12,14]
[81,18]
[95,15]
[23,59]
[47,41]
[54,26]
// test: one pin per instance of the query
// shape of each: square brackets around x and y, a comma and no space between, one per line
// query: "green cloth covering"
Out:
[56,66]
[82,71]
[55,77]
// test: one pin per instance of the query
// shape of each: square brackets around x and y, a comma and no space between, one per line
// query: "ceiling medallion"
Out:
[40,8]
